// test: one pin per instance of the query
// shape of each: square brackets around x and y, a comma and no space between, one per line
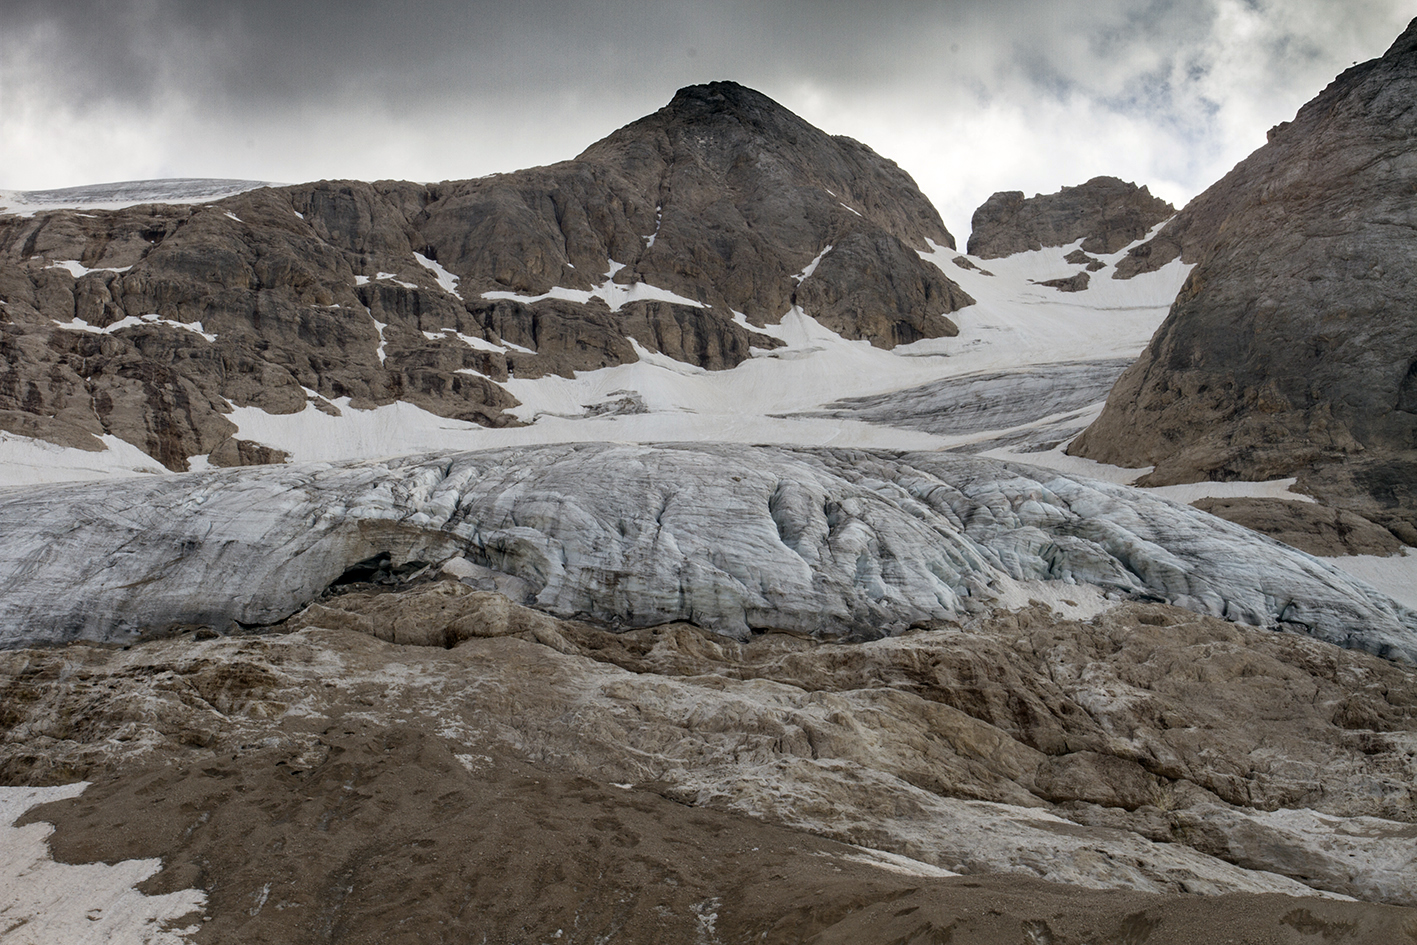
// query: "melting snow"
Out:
[25,461]
[812,266]
[610,292]
[1394,575]
[446,279]
[77,270]
[43,902]
[132,321]
[472,341]
[380,326]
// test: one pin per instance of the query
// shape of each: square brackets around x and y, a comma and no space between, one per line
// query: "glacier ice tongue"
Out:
[836,543]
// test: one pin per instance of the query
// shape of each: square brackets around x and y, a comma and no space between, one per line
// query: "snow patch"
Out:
[1394,575]
[379,326]
[78,270]
[43,902]
[472,341]
[1186,492]
[26,461]
[896,863]
[610,292]
[812,266]
[446,279]
[133,321]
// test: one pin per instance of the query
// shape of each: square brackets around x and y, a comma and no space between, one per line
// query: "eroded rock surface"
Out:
[1290,349]
[836,543]
[151,323]
[1143,751]
[1105,213]
[1308,526]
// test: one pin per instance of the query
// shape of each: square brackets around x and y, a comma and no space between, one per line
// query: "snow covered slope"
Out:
[779,396]
[128,193]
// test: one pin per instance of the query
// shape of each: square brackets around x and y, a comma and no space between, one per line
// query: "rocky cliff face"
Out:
[1291,349]
[1105,213]
[150,323]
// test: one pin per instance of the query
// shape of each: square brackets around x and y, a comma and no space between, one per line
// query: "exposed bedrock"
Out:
[839,544]
[1290,350]
[1309,526]
[1105,213]
[1145,749]
[721,203]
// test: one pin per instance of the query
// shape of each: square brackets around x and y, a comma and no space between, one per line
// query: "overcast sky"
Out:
[969,97]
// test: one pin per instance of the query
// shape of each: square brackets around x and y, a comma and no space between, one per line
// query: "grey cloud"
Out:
[490,76]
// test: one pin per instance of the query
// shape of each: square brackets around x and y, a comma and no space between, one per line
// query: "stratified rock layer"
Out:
[1291,349]
[1105,213]
[839,544]
[151,323]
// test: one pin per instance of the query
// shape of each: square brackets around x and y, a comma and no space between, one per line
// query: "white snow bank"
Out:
[43,902]
[610,292]
[77,269]
[132,321]
[402,428]
[812,266]
[25,461]
[1186,492]
[472,341]
[446,279]
[1394,575]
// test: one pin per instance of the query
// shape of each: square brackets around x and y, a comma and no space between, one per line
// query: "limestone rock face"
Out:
[1105,213]
[1291,348]
[152,323]
[1308,526]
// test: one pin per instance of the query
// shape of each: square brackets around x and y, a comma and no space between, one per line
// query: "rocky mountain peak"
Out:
[1290,349]
[1105,213]
[714,101]
[152,323]
[1406,44]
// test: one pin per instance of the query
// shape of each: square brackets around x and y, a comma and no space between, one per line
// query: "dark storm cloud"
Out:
[260,52]
[969,96]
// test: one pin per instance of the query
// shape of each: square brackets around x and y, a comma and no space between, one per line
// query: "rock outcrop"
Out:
[523,769]
[152,322]
[1308,526]
[1105,213]
[1291,349]
[839,544]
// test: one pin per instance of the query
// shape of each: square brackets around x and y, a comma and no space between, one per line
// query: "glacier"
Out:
[840,544]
